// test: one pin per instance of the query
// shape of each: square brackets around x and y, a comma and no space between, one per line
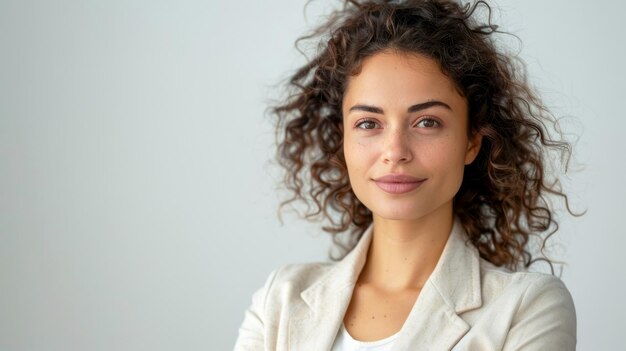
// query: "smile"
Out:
[398,184]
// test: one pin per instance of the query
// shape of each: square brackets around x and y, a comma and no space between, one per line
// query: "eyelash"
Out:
[369,120]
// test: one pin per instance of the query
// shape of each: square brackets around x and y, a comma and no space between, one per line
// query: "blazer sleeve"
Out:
[252,330]
[546,318]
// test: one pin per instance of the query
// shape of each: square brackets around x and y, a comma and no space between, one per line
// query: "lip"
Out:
[398,183]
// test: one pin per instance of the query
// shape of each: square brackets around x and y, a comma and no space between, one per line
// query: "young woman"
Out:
[415,134]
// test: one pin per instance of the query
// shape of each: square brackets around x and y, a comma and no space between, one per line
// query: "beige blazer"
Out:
[466,304]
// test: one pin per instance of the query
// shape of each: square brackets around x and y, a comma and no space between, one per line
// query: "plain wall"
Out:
[137,203]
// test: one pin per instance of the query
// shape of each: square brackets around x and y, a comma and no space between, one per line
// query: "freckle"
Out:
[386,271]
[373,317]
[352,324]
[385,316]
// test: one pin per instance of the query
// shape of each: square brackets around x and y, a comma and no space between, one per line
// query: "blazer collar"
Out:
[433,323]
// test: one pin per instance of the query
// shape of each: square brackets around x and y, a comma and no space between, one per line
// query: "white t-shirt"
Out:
[345,342]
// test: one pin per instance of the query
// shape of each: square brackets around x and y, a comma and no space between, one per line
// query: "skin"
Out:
[410,229]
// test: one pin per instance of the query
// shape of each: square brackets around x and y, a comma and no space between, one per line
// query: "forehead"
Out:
[401,78]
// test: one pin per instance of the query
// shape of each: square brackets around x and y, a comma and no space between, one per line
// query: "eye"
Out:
[428,123]
[367,124]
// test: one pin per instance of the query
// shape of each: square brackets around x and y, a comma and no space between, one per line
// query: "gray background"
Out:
[137,203]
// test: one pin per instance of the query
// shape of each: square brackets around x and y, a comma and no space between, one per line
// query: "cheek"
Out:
[356,152]
[360,158]
[445,155]
[349,155]
[355,157]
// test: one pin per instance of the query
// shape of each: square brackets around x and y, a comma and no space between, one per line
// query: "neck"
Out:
[403,253]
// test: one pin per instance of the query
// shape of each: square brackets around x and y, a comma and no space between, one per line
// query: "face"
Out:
[405,136]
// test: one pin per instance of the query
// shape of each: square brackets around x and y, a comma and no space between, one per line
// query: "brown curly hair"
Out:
[502,200]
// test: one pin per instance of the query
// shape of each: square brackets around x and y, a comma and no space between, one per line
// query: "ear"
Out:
[473,147]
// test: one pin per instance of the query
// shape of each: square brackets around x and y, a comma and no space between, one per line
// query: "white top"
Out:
[345,342]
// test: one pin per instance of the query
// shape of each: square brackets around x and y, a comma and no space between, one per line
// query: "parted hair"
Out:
[502,200]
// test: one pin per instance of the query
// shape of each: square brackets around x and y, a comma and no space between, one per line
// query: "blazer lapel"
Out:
[431,325]
[452,288]
[315,324]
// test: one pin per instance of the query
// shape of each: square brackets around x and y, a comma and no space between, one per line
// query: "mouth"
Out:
[398,184]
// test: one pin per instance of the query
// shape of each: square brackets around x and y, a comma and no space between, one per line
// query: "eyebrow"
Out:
[413,108]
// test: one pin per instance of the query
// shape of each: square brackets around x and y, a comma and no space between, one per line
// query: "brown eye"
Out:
[428,123]
[367,124]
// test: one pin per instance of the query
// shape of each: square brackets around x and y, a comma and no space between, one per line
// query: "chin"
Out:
[398,214]
[410,210]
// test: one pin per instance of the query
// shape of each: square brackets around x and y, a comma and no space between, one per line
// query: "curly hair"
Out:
[502,200]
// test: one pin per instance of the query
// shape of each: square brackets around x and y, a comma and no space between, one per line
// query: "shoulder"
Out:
[297,277]
[282,289]
[285,283]
[537,308]
[496,281]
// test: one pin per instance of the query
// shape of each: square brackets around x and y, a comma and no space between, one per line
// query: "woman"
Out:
[412,132]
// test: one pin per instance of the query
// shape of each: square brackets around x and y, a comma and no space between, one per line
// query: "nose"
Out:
[397,147]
